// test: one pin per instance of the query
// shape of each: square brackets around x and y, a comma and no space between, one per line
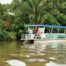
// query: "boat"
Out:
[48,33]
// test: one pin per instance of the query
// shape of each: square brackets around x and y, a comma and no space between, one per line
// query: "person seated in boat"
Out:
[30,31]
[31,35]
[36,32]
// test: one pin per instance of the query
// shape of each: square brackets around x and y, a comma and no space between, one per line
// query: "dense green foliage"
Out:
[14,16]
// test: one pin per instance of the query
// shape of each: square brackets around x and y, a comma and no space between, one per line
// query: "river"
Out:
[32,54]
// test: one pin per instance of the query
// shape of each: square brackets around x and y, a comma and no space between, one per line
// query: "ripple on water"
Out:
[36,54]
[36,60]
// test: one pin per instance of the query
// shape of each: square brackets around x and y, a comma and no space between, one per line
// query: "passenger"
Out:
[31,36]
[30,31]
[37,32]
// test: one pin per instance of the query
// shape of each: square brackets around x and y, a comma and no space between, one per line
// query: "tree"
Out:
[34,9]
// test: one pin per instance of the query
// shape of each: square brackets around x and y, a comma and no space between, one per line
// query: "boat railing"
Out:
[31,36]
[43,36]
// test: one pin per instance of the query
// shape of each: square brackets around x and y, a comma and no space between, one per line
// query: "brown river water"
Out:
[32,54]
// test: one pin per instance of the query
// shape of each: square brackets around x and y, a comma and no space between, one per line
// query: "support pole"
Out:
[44,29]
[58,30]
[49,30]
[52,30]
[64,30]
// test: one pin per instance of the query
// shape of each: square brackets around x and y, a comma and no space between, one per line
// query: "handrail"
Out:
[42,36]
[30,37]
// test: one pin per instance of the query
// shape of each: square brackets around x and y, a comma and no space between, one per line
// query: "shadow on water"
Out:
[37,54]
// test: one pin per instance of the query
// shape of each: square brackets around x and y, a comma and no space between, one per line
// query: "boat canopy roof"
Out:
[50,26]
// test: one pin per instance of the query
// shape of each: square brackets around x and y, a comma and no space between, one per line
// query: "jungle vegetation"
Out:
[14,16]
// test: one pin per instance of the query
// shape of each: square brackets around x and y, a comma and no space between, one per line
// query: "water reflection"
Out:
[37,54]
